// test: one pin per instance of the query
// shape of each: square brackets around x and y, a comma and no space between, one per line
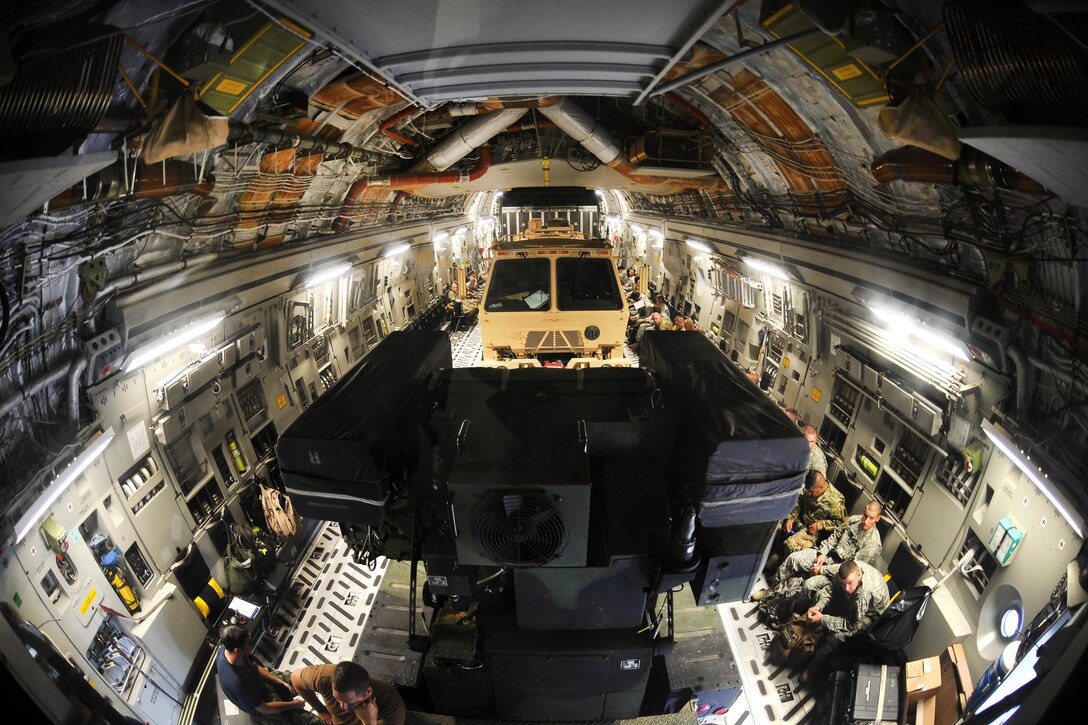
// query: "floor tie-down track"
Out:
[771,692]
[322,616]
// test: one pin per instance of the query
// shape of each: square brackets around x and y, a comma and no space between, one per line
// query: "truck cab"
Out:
[553,300]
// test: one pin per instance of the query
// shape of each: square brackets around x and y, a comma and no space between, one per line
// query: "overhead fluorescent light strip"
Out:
[901,322]
[30,519]
[326,274]
[398,249]
[766,268]
[701,246]
[181,337]
[1007,447]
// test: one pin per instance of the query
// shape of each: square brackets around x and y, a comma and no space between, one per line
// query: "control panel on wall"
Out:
[117,657]
[142,482]
[251,400]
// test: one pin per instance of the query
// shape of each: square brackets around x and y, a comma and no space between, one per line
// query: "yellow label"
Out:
[785,362]
[846,72]
[88,601]
[233,87]
[815,395]
[281,400]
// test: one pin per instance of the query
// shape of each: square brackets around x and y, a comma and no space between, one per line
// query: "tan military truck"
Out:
[553,300]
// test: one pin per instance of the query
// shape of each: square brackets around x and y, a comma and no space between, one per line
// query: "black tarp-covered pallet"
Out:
[335,457]
[745,459]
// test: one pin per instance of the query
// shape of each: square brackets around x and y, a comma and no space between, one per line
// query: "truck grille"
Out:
[541,340]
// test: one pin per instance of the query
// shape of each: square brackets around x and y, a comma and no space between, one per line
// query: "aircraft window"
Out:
[519,285]
[1010,623]
[586,284]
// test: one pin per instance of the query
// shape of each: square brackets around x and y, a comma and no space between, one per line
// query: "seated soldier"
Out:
[657,322]
[817,461]
[844,605]
[467,304]
[819,510]
[857,539]
[253,688]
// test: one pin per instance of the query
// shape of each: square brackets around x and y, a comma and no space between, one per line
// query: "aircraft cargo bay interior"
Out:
[703,361]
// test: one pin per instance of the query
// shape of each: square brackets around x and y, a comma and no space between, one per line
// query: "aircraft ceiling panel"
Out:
[434,52]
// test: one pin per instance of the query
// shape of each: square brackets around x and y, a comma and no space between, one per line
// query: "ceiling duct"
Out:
[62,88]
[672,153]
[459,142]
[1019,63]
[145,181]
[574,121]
[972,169]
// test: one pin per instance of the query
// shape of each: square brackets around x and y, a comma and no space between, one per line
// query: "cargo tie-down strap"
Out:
[880,695]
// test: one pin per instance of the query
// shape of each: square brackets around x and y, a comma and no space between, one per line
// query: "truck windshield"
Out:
[587,284]
[519,285]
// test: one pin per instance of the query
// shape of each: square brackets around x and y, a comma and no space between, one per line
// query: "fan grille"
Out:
[519,529]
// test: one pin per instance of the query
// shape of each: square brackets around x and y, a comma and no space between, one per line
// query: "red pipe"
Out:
[109,183]
[397,118]
[409,182]
[387,125]
[694,112]
[909,163]
[973,169]
[400,137]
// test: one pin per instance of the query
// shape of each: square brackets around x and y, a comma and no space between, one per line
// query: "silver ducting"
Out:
[583,128]
[467,108]
[462,140]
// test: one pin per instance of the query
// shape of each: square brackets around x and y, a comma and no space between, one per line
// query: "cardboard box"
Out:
[923,678]
[924,712]
[956,685]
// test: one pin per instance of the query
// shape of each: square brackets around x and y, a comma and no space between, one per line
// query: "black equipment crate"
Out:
[875,694]
[334,458]
[746,459]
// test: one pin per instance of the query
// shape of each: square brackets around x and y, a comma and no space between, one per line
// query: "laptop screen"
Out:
[248,610]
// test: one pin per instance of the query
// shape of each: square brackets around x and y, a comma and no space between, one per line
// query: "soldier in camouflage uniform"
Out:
[845,604]
[848,602]
[817,461]
[858,539]
[820,508]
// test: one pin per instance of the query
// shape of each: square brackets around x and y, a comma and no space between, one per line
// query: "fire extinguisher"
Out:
[239,462]
[114,575]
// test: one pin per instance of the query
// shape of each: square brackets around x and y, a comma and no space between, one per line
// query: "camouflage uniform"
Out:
[827,512]
[847,542]
[846,614]
[817,461]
